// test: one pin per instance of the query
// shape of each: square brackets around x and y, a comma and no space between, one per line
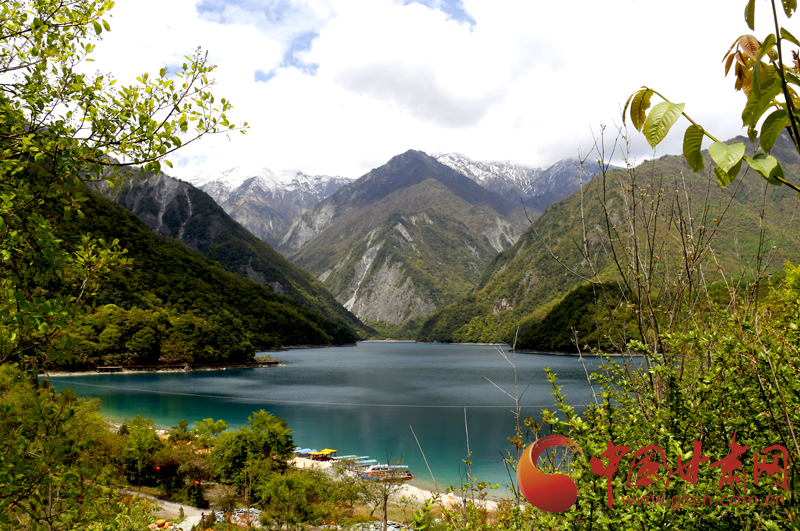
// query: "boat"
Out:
[384,472]
[359,466]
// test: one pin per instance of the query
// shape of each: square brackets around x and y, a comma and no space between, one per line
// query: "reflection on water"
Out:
[362,400]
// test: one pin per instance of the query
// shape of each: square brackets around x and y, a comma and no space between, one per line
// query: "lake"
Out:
[364,400]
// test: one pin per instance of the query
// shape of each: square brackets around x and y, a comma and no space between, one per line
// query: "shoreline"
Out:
[575,354]
[166,369]
[407,490]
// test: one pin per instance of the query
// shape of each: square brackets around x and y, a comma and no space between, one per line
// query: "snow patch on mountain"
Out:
[515,181]
[267,201]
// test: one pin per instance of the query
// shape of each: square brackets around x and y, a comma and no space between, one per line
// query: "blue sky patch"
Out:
[275,11]
[299,45]
[454,9]
[262,76]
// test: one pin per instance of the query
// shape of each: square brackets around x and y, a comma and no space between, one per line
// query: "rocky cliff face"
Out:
[264,201]
[404,239]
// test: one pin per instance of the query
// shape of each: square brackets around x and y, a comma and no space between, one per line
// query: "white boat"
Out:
[383,472]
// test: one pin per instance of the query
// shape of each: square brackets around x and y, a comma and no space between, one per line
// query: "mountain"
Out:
[263,201]
[404,239]
[537,187]
[523,283]
[179,210]
[169,304]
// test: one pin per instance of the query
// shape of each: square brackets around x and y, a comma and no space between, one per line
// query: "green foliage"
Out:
[296,499]
[204,431]
[738,379]
[131,514]
[768,83]
[582,322]
[141,444]
[115,336]
[265,439]
[57,459]
[180,432]
[69,123]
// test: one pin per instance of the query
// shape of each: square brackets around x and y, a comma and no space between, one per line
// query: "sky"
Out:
[338,87]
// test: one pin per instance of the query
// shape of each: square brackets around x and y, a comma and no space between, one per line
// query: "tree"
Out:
[265,439]
[763,75]
[58,130]
[379,489]
[141,446]
[206,430]
[56,458]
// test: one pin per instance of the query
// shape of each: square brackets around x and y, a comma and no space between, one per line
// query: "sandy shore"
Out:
[408,491]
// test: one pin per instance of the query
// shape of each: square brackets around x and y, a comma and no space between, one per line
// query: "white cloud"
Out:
[525,82]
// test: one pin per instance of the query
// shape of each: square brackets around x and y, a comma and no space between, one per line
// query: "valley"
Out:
[435,249]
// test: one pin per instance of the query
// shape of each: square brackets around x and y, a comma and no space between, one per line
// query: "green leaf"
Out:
[639,106]
[98,29]
[660,120]
[789,37]
[106,26]
[750,13]
[764,49]
[758,103]
[752,133]
[692,144]
[726,178]
[791,78]
[772,128]
[639,103]
[789,6]
[768,167]
[726,156]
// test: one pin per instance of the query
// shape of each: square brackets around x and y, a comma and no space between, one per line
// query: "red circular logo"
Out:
[554,493]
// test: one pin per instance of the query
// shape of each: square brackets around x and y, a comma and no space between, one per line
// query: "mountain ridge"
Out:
[177,209]
[522,283]
[403,239]
[536,187]
[265,201]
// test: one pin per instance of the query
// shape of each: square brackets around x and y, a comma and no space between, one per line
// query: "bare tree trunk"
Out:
[384,510]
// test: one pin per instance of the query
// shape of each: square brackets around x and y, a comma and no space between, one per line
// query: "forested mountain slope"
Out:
[173,305]
[524,282]
[179,210]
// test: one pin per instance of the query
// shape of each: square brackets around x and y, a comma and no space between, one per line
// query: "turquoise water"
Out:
[363,400]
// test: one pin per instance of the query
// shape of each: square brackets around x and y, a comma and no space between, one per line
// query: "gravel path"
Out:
[171,510]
